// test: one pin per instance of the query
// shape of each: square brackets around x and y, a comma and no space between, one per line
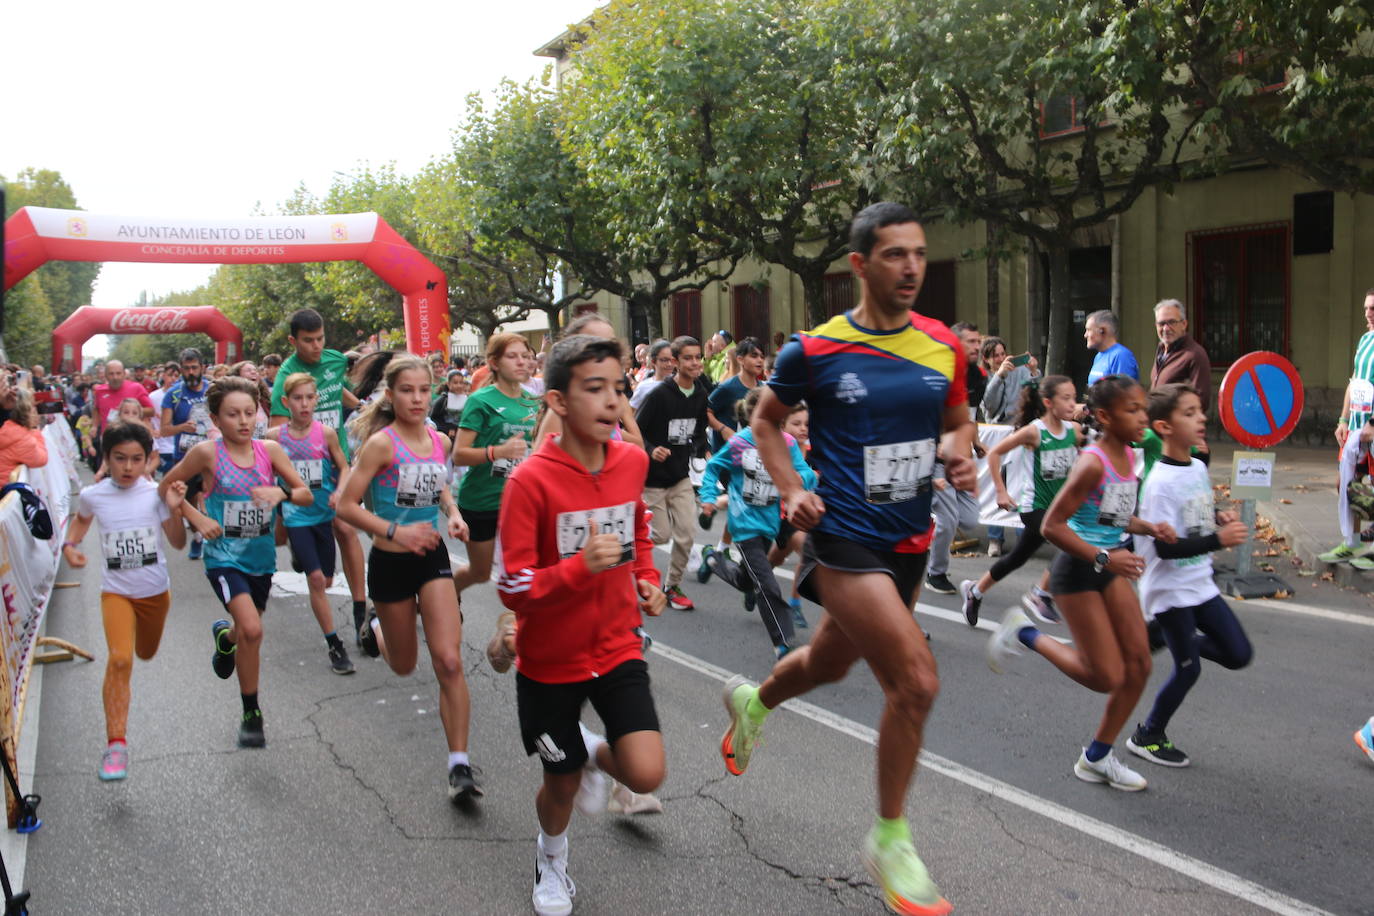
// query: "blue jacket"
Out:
[754,509]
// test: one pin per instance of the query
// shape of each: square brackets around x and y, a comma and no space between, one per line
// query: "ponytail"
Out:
[1034,394]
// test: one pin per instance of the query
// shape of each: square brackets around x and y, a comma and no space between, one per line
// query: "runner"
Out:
[328,367]
[1364,737]
[493,438]
[186,418]
[134,589]
[401,468]
[240,494]
[1044,429]
[1091,579]
[754,520]
[315,453]
[884,385]
[627,427]
[1177,588]
[578,571]
[789,539]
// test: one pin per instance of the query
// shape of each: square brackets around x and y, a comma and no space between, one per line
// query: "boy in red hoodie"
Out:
[578,571]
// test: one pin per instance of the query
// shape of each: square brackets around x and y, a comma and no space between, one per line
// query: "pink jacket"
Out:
[20,445]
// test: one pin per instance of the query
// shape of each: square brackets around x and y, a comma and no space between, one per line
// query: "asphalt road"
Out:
[345,811]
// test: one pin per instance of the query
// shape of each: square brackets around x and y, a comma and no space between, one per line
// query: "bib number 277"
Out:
[898,471]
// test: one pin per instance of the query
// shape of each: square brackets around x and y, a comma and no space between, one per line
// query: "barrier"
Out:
[27,569]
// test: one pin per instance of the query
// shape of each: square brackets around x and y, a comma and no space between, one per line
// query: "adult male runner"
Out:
[886,388]
[328,368]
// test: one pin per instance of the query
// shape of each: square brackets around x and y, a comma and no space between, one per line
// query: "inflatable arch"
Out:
[87,321]
[36,235]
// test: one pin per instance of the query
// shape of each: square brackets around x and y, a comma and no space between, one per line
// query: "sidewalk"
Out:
[1302,513]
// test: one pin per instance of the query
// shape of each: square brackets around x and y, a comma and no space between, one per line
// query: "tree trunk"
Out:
[650,306]
[1057,349]
[994,298]
[813,292]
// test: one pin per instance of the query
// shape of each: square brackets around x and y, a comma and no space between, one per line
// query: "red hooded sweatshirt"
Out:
[573,625]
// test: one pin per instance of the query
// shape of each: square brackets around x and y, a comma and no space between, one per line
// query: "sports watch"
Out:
[1101,560]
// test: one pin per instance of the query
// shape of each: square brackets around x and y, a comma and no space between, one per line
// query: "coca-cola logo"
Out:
[149,321]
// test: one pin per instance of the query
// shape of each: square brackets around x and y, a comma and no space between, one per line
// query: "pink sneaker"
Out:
[114,763]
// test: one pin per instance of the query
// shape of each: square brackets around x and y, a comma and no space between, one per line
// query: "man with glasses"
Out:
[1179,358]
[1100,333]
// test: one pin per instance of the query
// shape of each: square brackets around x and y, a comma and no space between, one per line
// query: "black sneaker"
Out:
[367,638]
[461,786]
[704,569]
[1156,748]
[972,602]
[250,730]
[939,583]
[1155,632]
[751,600]
[705,521]
[339,662]
[223,659]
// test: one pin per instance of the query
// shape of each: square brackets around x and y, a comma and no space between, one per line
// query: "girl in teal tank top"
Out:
[403,467]
[241,493]
[1050,441]
[1091,580]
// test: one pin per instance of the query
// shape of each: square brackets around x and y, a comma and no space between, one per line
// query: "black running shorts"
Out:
[400,576]
[481,525]
[906,569]
[1069,575]
[229,582]
[549,713]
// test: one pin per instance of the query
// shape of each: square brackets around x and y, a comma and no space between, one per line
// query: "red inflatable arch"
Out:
[36,235]
[87,321]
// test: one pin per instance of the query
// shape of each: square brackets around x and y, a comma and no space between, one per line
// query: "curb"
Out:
[1305,546]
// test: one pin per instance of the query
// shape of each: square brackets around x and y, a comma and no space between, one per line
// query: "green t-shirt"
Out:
[494,417]
[329,385]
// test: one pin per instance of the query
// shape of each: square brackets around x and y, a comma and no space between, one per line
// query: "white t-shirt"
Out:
[167,444]
[642,391]
[132,556]
[1181,496]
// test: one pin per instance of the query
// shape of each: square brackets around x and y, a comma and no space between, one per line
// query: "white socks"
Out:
[592,741]
[457,757]
[553,846]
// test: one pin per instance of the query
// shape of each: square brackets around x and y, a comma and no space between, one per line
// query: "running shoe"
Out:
[647,641]
[223,658]
[594,791]
[1362,563]
[1341,553]
[499,655]
[1003,644]
[339,662]
[461,784]
[940,584]
[751,601]
[367,638]
[798,618]
[677,600]
[197,548]
[1109,770]
[738,743]
[705,521]
[250,730]
[553,889]
[1156,748]
[780,650]
[704,569]
[1041,606]
[994,549]
[972,602]
[902,875]
[114,763]
[1365,738]
[623,801]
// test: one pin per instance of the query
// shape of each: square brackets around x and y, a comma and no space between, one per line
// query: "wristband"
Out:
[491,455]
[391,531]
[72,544]
[287,490]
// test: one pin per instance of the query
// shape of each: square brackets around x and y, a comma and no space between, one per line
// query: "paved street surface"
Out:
[345,811]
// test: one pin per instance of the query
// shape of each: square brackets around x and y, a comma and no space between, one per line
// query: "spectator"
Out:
[967,332]
[720,412]
[661,359]
[1100,333]
[21,442]
[142,378]
[716,364]
[448,406]
[953,508]
[1179,358]
[117,387]
[40,379]
[1356,410]
[1005,381]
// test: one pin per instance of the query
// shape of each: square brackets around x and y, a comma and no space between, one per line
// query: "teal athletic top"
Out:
[247,543]
[1104,515]
[408,490]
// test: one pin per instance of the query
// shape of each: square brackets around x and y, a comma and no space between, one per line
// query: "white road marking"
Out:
[1196,869]
[1304,609]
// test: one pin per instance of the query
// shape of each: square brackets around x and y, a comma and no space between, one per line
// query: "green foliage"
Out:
[66,284]
[28,324]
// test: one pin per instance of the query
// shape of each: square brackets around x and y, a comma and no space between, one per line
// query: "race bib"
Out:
[311,471]
[200,415]
[503,467]
[418,484]
[1361,396]
[759,489]
[245,519]
[1118,504]
[680,431]
[330,417]
[130,548]
[896,472]
[111,415]
[1055,464]
[259,429]
[574,528]
[1199,518]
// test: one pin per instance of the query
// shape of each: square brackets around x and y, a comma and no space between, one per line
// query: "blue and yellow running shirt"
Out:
[877,401]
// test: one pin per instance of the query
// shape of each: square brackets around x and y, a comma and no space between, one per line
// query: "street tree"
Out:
[66,284]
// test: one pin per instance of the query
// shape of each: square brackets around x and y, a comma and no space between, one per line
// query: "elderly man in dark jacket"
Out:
[1179,357]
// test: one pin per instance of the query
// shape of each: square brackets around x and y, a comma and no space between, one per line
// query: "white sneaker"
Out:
[553,889]
[1109,770]
[994,548]
[1003,644]
[595,789]
[623,801]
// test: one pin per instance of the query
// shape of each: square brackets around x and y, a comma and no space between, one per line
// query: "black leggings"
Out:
[1221,639]
[1026,546]
[755,575]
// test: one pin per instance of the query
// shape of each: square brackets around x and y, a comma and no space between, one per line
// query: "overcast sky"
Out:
[201,110]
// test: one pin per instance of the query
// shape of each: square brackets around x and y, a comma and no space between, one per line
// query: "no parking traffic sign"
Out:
[1261,399]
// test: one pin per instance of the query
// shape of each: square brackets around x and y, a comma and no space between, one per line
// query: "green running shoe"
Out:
[1341,553]
[906,884]
[737,745]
